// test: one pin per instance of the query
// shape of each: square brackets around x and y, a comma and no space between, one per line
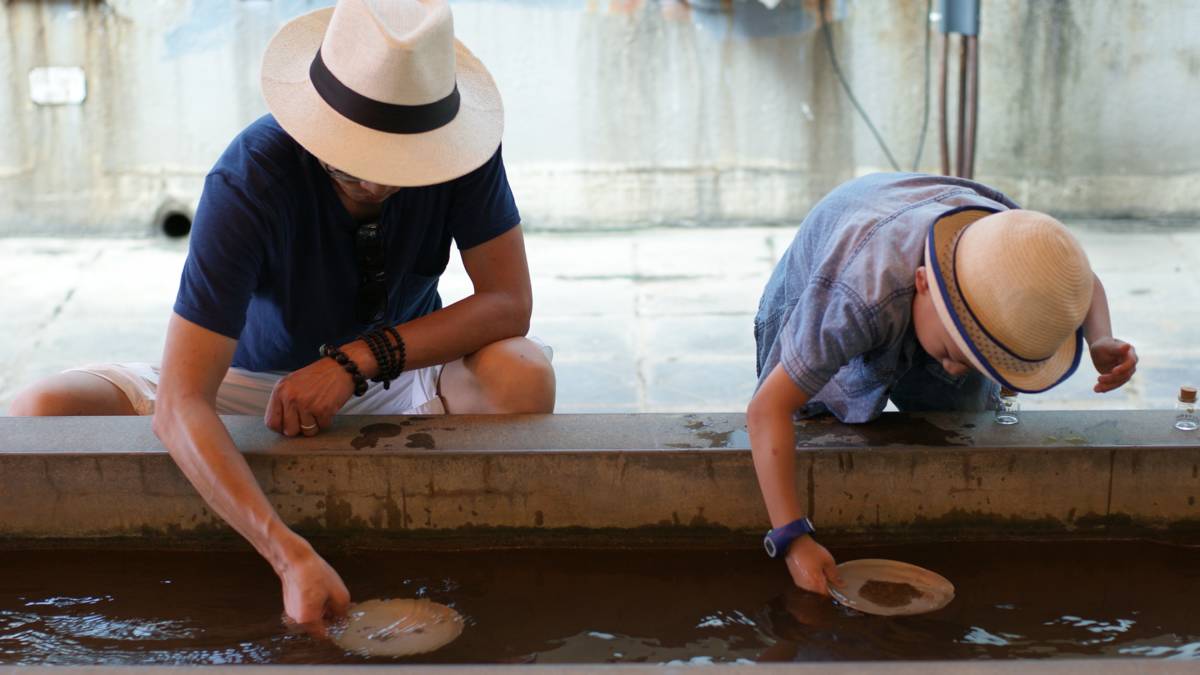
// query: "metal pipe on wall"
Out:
[961,129]
[961,17]
[971,94]
[943,131]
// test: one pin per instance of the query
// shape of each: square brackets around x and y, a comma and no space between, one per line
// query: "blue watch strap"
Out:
[780,539]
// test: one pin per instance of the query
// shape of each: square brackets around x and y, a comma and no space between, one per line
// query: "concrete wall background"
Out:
[630,112]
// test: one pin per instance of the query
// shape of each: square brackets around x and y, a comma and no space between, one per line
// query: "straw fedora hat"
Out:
[380,89]
[1012,288]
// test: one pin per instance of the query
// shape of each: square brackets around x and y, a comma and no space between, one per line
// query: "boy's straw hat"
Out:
[380,89]
[1012,288]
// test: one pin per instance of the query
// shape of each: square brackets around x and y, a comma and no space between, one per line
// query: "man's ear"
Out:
[921,281]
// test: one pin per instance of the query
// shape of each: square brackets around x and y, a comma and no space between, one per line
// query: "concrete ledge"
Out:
[650,477]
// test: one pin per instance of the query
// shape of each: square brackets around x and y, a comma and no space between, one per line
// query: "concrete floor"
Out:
[654,320]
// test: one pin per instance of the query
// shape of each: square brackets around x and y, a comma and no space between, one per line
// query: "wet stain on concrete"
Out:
[538,518]
[734,438]
[889,430]
[716,439]
[370,434]
[1103,433]
[420,440]
[913,431]
[1071,439]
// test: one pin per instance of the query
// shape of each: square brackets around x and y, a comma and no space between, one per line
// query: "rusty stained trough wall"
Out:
[654,476]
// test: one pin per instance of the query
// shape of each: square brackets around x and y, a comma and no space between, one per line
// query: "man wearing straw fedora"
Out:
[930,291]
[314,262]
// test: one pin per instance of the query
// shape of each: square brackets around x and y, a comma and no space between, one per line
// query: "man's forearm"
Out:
[452,332]
[204,451]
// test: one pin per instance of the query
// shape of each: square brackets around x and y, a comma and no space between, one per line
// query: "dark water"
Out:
[1031,600]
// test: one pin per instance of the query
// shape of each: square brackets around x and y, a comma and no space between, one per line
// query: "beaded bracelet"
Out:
[398,346]
[360,382]
[381,350]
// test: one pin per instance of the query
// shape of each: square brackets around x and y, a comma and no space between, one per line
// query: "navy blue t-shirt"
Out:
[271,261]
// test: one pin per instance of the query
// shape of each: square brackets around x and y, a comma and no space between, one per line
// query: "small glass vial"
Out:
[1185,410]
[1007,407]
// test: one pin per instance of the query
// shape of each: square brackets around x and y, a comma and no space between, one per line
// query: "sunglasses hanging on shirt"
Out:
[371,301]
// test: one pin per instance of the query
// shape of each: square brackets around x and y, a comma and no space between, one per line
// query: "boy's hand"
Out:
[812,566]
[1116,362]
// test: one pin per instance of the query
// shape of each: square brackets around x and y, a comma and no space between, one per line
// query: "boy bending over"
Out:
[932,291]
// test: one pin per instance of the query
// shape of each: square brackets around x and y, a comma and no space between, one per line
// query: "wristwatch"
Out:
[779,539]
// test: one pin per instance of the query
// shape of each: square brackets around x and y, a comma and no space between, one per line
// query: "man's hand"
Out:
[812,566]
[313,593]
[1116,362]
[305,401]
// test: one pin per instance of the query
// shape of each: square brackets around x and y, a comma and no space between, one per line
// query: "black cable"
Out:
[828,34]
[845,85]
[925,115]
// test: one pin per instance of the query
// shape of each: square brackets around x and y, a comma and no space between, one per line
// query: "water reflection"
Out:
[1188,652]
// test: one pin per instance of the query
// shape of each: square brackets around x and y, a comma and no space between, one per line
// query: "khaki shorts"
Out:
[245,392]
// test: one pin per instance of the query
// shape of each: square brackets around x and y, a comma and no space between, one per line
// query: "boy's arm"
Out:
[1114,359]
[773,444]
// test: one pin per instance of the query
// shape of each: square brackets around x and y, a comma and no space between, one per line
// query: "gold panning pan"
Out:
[399,627]
[891,587]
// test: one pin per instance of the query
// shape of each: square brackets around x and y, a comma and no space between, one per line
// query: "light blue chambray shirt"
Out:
[837,311]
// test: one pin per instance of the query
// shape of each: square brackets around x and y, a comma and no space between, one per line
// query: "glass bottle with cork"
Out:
[1185,410]
[1007,407]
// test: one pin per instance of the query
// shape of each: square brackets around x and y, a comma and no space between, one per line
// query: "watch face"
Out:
[769,545]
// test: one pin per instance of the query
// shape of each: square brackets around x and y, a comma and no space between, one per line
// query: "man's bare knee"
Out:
[511,376]
[71,394]
[527,384]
